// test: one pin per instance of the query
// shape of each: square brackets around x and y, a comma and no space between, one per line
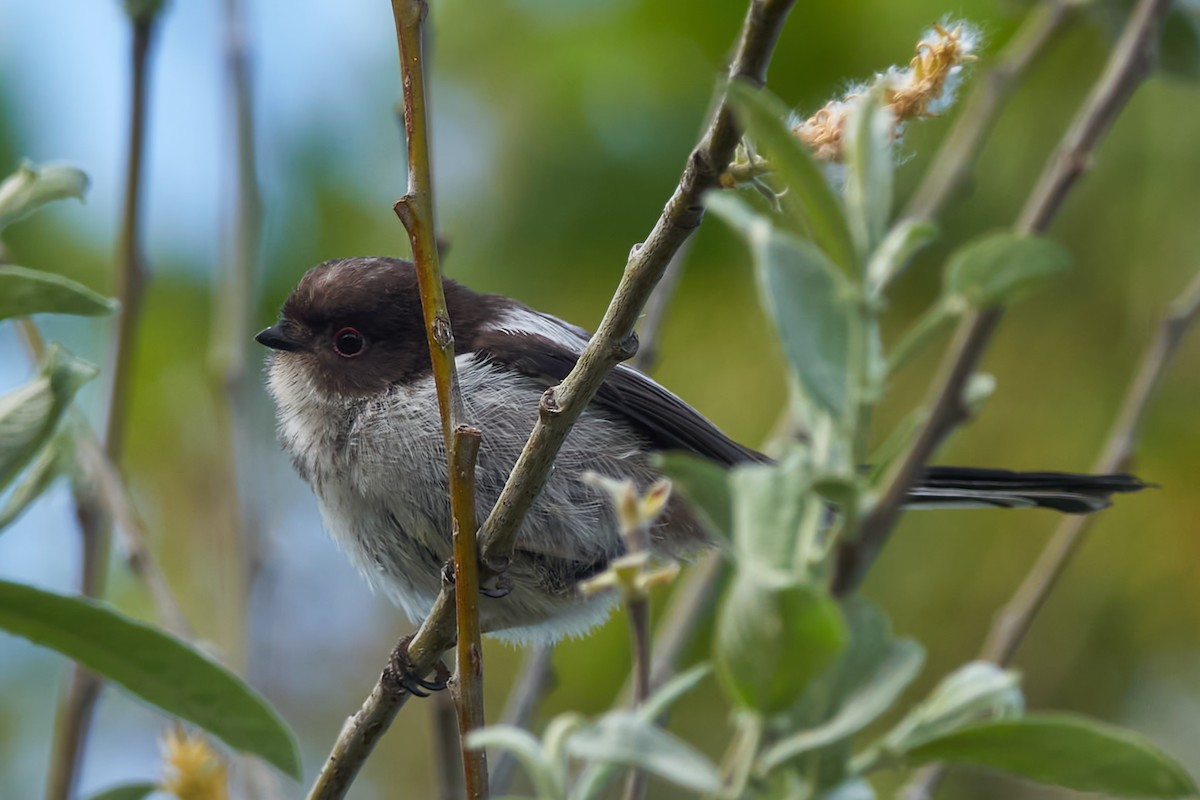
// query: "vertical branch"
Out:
[467,685]
[416,212]
[1131,61]
[232,313]
[83,688]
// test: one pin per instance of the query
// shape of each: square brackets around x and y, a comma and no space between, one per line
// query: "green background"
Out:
[560,130]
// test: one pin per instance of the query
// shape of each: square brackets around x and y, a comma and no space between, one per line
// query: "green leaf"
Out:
[621,737]
[996,268]
[30,188]
[860,709]
[975,690]
[870,167]
[128,791]
[27,291]
[808,194]
[808,300]
[48,465]
[158,668]
[773,638]
[30,413]
[870,642]
[705,487]
[1064,750]
[528,752]
[906,238]
[596,776]
[769,503]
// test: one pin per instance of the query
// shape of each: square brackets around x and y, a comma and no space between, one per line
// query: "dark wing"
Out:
[666,422]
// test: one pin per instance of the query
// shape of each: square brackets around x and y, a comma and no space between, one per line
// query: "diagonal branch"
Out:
[951,168]
[562,405]
[1130,63]
[1015,619]
[614,340]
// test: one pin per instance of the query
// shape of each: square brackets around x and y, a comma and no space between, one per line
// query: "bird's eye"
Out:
[348,343]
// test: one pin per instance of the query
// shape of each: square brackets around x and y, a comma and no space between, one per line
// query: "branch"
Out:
[952,166]
[438,633]
[1014,620]
[1130,62]
[83,688]
[562,405]
[467,686]
[534,679]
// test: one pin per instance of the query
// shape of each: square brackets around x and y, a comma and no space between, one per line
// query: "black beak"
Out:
[275,338]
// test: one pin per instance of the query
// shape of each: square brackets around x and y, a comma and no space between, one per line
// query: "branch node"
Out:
[626,347]
[443,335]
[548,404]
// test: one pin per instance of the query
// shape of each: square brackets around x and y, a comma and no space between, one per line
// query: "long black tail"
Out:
[967,487]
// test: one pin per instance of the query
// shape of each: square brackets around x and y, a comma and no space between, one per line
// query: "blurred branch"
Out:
[955,158]
[1015,619]
[447,762]
[1130,63]
[83,688]
[562,405]
[650,331]
[534,679]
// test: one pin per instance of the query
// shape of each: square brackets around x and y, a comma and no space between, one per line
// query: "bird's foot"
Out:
[494,586]
[402,673]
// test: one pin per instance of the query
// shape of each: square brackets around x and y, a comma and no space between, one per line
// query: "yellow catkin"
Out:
[192,769]
[909,93]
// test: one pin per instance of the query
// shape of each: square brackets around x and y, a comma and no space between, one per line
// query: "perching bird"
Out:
[358,414]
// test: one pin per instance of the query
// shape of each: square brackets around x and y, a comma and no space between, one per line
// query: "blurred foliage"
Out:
[579,116]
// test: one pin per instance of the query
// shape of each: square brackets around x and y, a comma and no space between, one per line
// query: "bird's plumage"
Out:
[364,431]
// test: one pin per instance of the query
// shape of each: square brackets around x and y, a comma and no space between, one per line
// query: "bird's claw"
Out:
[494,586]
[403,673]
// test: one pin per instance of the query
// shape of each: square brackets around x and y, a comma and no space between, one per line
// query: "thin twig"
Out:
[1130,62]
[951,168]
[1014,620]
[534,679]
[438,633]
[83,689]
[561,406]
[467,684]
[416,212]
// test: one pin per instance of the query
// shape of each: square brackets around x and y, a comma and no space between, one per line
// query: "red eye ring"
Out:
[348,343]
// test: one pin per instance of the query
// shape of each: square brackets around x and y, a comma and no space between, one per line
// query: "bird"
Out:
[351,378]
